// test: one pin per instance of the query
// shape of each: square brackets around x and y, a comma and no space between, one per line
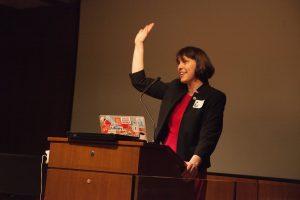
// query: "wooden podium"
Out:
[115,170]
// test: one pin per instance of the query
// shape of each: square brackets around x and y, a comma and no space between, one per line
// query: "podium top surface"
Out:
[120,142]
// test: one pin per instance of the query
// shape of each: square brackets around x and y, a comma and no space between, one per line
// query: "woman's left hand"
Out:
[191,170]
[143,33]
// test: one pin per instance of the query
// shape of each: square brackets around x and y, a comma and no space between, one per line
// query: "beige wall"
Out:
[254,45]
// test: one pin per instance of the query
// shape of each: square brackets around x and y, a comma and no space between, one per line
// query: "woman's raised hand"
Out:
[138,53]
[143,33]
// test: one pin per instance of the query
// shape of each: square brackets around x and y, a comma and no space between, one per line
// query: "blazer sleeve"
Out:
[212,125]
[140,82]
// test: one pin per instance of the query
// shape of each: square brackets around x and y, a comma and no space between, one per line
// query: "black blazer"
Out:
[202,120]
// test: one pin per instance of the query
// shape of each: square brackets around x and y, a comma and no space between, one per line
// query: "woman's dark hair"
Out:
[204,68]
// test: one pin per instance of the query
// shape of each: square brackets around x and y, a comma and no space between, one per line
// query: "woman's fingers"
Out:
[191,171]
[149,27]
[142,34]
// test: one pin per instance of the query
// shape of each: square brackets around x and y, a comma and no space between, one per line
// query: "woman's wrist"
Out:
[138,43]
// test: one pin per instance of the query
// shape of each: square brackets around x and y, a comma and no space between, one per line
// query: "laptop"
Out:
[113,128]
[132,126]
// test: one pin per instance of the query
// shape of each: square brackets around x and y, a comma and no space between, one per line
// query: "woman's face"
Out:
[186,70]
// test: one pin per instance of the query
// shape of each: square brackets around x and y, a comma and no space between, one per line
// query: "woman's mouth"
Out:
[181,74]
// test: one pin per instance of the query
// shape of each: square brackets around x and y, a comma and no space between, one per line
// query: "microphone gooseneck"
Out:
[144,105]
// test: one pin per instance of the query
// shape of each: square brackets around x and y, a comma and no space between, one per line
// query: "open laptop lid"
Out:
[122,125]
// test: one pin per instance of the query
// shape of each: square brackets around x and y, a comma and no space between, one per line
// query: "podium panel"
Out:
[83,185]
[108,158]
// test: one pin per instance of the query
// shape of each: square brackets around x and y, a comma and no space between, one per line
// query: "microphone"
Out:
[144,105]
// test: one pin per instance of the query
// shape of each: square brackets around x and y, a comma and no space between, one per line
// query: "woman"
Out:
[191,114]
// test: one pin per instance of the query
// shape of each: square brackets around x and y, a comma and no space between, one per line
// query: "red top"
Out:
[174,122]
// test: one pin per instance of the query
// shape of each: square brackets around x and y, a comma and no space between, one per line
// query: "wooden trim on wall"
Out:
[250,187]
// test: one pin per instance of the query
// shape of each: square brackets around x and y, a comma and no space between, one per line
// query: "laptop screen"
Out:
[122,125]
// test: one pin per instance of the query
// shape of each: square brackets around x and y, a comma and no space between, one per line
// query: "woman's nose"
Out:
[179,66]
